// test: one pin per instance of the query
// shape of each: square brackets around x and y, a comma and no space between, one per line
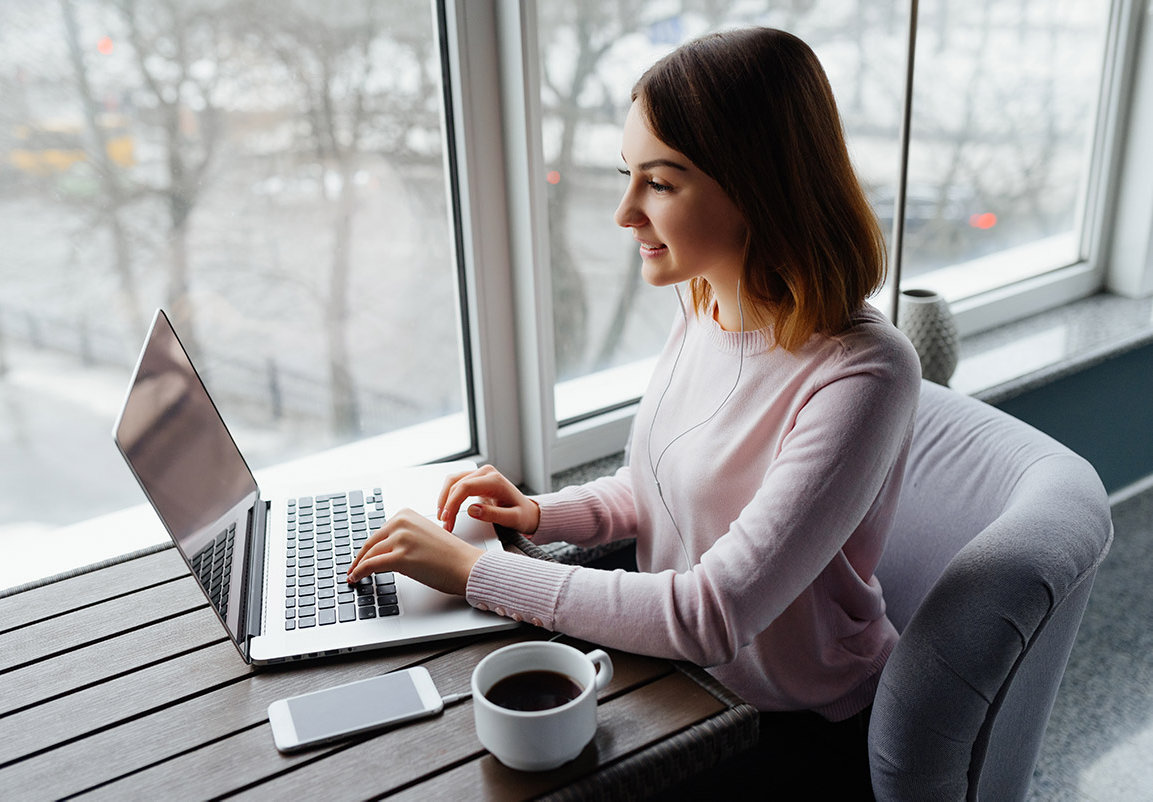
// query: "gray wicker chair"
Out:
[998,536]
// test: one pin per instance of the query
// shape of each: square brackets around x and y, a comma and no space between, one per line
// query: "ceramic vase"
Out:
[925,318]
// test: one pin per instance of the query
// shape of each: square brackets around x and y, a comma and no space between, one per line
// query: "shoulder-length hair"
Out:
[753,109]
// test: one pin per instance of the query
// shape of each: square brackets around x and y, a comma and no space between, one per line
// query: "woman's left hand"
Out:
[417,547]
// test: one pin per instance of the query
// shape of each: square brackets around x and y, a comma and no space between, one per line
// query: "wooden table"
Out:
[120,683]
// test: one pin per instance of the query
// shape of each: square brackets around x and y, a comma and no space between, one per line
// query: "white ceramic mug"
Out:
[535,740]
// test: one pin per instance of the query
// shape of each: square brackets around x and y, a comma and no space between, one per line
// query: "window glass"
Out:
[1004,105]
[272,174]
[609,324]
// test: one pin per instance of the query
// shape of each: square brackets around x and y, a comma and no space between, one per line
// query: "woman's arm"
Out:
[597,512]
[840,463]
[415,546]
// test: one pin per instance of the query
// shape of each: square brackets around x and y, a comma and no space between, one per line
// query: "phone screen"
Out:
[354,707]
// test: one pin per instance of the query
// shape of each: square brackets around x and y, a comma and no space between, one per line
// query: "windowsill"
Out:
[1010,359]
[51,552]
[995,365]
[1007,360]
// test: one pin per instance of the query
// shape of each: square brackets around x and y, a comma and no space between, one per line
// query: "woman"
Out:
[768,451]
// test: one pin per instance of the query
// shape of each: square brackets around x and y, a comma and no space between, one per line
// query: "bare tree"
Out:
[330,51]
[168,37]
[113,195]
[598,26]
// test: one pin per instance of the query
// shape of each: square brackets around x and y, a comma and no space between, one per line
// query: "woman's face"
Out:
[685,223]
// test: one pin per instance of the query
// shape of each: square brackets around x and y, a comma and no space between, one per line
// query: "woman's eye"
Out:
[656,185]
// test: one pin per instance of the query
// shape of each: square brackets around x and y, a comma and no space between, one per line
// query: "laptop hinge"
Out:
[254,593]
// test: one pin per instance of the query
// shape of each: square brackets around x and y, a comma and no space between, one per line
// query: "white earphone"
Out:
[655,466]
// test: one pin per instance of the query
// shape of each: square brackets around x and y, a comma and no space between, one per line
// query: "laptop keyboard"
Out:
[213,566]
[324,532]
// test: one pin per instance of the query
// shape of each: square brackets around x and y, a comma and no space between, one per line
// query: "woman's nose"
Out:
[627,214]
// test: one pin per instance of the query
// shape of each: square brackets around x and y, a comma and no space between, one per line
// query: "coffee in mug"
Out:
[535,703]
[534,690]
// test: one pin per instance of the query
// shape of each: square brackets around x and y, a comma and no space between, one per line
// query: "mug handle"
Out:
[604,667]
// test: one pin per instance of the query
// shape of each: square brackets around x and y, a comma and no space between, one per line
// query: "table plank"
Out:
[625,725]
[410,751]
[109,658]
[93,587]
[217,714]
[161,703]
[396,757]
[73,715]
[96,622]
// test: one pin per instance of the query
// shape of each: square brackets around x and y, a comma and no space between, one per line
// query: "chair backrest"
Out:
[986,574]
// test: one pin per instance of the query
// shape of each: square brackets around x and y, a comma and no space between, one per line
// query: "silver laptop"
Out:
[273,565]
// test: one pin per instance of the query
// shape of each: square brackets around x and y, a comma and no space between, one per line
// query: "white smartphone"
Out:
[334,713]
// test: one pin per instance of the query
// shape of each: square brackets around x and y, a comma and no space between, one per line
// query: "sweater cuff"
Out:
[562,516]
[517,587]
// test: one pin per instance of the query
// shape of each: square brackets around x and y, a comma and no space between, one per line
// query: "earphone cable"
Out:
[654,467]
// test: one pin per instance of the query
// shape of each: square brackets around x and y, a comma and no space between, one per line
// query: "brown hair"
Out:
[753,109]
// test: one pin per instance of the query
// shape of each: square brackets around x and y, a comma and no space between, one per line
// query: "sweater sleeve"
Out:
[840,462]
[598,512]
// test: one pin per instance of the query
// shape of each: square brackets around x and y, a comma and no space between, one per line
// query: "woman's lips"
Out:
[649,250]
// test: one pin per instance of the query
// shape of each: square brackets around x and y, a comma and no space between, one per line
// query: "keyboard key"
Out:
[365,601]
[389,609]
[305,623]
[347,612]
[327,617]
[290,624]
[366,612]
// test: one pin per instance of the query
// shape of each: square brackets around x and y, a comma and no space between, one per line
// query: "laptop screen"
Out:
[177,445]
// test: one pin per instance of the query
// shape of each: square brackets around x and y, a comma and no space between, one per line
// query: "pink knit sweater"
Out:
[783,497]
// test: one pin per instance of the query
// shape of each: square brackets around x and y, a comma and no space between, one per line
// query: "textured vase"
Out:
[925,318]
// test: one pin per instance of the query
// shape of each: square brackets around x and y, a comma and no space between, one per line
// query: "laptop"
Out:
[273,564]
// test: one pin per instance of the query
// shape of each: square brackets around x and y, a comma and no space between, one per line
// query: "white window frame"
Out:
[494,61]
[1092,271]
[1130,254]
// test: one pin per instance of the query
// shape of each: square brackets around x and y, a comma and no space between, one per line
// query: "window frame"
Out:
[494,58]
[1091,272]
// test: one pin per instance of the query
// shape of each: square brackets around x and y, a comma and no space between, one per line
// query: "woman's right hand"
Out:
[498,501]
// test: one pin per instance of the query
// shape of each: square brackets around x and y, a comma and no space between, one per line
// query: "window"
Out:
[608,324]
[359,251]
[1005,104]
[273,174]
